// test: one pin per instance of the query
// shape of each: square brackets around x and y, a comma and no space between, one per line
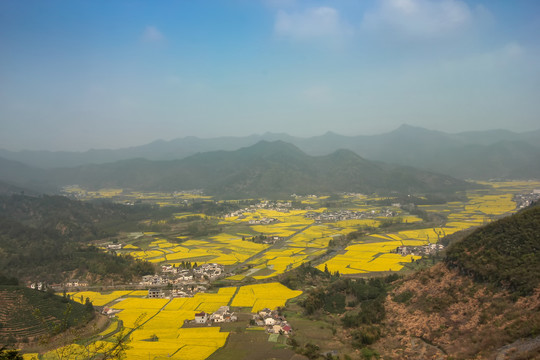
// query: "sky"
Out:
[76,75]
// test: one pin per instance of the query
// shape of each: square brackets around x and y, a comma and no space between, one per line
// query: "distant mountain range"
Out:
[476,155]
[270,169]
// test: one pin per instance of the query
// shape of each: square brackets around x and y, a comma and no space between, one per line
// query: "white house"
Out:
[155,294]
[201,318]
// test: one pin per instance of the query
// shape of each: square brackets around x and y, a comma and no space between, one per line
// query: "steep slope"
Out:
[484,297]
[505,253]
[26,315]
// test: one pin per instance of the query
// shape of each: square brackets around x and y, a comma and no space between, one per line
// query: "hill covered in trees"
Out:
[27,315]
[46,238]
[473,154]
[505,253]
[266,169]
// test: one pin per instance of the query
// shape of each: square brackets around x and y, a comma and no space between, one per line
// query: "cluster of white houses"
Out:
[524,200]
[76,283]
[173,275]
[272,322]
[223,314]
[39,285]
[341,215]
[182,291]
[429,249]
[209,271]
[283,207]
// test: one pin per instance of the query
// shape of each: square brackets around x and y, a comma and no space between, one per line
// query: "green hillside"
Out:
[46,238]
[505,253]
[26,315]
[266,169]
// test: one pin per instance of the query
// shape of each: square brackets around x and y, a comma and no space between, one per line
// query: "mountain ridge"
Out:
[268,169]
[407,145]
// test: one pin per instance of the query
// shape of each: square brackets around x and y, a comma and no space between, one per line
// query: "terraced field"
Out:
[30,314]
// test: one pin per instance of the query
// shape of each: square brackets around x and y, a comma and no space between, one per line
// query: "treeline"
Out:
[81,221]
[505,253]
[303,276]
[33,253]
[213,208]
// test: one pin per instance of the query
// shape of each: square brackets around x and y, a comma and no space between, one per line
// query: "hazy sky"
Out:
[87,74]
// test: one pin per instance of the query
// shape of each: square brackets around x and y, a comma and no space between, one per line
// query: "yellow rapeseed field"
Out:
[263,295]
[97,298]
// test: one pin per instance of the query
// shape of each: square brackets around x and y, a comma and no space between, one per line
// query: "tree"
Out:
[89,306]
[311,351]
[10,354]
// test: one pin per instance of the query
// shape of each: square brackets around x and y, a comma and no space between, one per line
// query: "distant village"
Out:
[283,207]
[524,200]
[177,275]
[349,215]
[429,249]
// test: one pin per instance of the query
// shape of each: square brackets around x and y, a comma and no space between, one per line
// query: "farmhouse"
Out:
[272,321]
[211,271]
[223,314]
[155,294]
[201,318]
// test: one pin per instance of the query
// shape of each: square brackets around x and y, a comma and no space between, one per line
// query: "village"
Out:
[524,200]
[349,215]
[270,320]
[429,249]
[283,207]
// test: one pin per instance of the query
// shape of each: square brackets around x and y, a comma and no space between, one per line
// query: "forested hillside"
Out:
[505,253]
[46,238]
[266,169]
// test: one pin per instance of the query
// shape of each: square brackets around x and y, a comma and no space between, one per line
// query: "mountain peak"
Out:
[345,154]
[273,144]
[410,128]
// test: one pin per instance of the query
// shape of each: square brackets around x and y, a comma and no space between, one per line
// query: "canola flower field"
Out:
[306,240]
[156,326]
